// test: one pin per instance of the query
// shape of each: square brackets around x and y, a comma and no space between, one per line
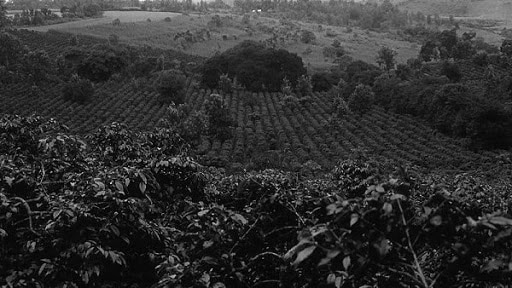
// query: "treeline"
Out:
[343,13]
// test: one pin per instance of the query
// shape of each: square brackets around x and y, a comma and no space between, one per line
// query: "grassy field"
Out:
[358,43]
[108,17]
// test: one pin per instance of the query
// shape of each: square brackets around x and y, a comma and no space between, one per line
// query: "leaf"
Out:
[143,177]
[387,207]
[240,218]
[9,180]
[346,262]
[330,255]
[208,244]
[500,220]
[119,186]
[492,265]
[3,233]
[382,247]
[115,230]
[203,212]
[380,189]
[331,278]
[436,220]
[331,208]
[397,196]
[354,218]
[296,248]
[338,282]
[303,255]
[142,187]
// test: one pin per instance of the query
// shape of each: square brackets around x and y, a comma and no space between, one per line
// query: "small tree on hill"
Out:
[307,37]
[361,100]
[219,118]
[170,86]
[4,20]
[452,71]
[506,47]
[386,58]
[78,89]
[11,49]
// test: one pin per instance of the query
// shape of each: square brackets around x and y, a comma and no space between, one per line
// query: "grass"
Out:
[360,44]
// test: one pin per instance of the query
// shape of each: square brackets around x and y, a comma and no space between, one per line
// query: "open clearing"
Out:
[136,30]
[108,17]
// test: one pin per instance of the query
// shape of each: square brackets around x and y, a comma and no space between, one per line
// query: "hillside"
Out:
[482,9]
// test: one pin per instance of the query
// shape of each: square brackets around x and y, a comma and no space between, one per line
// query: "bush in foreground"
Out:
[131,209]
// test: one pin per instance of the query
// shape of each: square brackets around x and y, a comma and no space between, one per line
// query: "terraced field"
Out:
[300,134]
[266,129]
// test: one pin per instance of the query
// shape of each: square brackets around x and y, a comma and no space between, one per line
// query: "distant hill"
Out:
[485,9]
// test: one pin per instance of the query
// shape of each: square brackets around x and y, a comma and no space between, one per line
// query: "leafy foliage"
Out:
[254,66]
[361,100]
[170,86]
[386,58]
[78,89]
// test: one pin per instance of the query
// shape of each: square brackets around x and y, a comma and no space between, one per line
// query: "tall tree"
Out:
[4,21]
[386,58]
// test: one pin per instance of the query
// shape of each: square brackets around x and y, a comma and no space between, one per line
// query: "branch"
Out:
[419,270]
[29,213]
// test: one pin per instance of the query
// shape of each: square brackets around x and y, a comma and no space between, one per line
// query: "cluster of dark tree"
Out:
[254,66]
[78,10]
[18,63]
[431,91]
[34,17]
[339,13]
[450,108]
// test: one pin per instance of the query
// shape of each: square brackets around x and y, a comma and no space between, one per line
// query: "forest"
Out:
[137,166]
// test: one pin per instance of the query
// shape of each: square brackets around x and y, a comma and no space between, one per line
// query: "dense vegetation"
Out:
[184,197]
[254,66]
[96,211]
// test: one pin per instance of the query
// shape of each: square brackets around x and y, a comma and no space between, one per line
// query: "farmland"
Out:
[272,149]
[359,44]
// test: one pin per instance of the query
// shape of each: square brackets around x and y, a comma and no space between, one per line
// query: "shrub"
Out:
[37,65]
[100,62]
[11,49]
[225,84]
[113,39]
[167,19]
[361,100]
[116,22]
[307,37]
[506,47]
[92,10]
[304,86]
[323,81]
[452,71]
[170,86]
[481,59]
[254,66]
[78,89]
[386,58]
[219,118]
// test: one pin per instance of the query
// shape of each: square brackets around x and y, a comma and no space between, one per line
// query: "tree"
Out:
[11,49]
[4,21]
[361,99]
[506,47]
[452,71]
[386,58]
[170,85]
